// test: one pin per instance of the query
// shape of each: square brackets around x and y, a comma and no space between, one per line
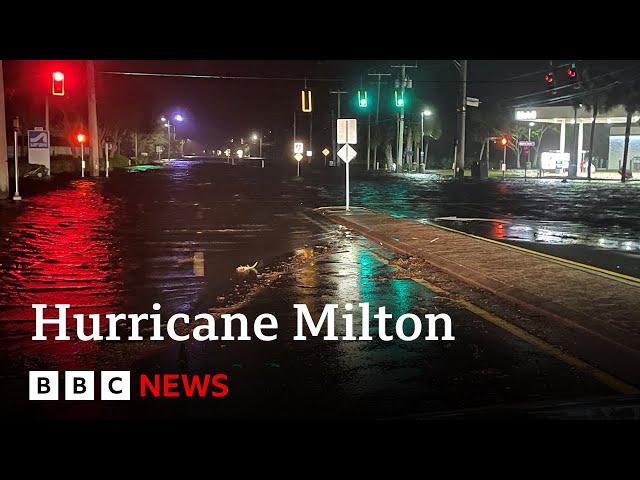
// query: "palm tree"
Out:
[627,94]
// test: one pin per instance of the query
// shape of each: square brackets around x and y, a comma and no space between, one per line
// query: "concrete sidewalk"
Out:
[596,313]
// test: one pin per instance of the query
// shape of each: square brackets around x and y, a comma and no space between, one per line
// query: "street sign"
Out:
[347,131]
[38,139]
[159,149]
[298,156]
[347,153]
[526,143]
[309,153]
[326,152]
[554,160]
[39,148]
[473,102]
[298,147]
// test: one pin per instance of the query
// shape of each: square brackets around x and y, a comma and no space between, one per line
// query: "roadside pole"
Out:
[106,159]
[82,158]
[4,160]
[93,121]
[16,127]
[504,162]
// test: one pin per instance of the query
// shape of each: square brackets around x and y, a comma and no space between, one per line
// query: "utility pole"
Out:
[403,85]
[377,100]
[368,141]
[4,160]
[46,111]
[333,137]
[93,120]
[339,93]
[462,68]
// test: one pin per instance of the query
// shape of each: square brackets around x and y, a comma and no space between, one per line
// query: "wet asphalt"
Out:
[176,235]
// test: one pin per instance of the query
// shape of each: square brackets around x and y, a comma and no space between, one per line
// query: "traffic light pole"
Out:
[93,120]
[401,121]
[339,93]
[4,161]
[462,67]
[46,112]
[377,100]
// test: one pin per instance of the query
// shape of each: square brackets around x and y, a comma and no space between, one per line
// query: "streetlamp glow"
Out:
[427,113]
[163,119]
[531,124]
[255,136]
[178,118]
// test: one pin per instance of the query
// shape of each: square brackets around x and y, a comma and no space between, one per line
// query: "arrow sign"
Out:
[347,153]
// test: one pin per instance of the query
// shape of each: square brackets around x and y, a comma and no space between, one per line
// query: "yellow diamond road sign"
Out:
[298,156]
[326,152]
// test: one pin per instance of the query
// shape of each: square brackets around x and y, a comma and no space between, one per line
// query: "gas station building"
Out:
[558,160]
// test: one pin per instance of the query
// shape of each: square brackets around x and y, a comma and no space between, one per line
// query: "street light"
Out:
[178,118]
[255,137]
[425,113]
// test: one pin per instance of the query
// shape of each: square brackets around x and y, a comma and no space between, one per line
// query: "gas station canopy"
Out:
[565,114]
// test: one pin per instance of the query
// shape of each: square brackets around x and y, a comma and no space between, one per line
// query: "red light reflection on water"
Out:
[58,250]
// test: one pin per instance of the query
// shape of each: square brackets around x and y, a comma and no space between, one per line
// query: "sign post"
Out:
[298,149]
[347,129]
[16,128]
[107,146]
[325,152]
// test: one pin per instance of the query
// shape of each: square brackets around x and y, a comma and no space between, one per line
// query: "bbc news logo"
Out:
[117,385]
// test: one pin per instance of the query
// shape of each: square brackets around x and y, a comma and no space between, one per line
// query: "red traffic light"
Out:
[571,72]
[57,86]
[549,78]
[81,137]
[503,141]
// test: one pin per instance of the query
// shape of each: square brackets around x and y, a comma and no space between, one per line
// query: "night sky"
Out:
[219,109]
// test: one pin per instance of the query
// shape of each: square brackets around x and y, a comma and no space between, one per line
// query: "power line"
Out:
[222,77]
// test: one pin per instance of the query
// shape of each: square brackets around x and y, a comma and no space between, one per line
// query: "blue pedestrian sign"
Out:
[38,139]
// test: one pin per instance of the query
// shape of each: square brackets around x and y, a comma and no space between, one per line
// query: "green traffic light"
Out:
[363,101]
[399,99]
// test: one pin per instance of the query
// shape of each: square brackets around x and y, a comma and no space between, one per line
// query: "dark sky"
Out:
[218,109]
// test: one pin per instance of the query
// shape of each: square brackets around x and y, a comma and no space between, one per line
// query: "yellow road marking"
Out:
[603,377]
[635,281]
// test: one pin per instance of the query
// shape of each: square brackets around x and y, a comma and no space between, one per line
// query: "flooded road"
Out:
[176,235]
[596,223]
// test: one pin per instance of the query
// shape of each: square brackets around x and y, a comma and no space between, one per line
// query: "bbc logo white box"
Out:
[43,385]
[78,385]
[115,385]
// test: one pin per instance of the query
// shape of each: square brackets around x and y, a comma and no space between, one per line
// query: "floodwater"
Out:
[597,223]
[176,235]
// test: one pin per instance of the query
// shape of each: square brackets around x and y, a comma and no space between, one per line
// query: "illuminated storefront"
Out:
[559,161]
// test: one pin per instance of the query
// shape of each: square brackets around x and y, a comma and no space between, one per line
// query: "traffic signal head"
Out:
[57,84]
[306,101]
[363,101]
[572,72]
[81,137]
[399,99]
[503,140]
[548,78]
